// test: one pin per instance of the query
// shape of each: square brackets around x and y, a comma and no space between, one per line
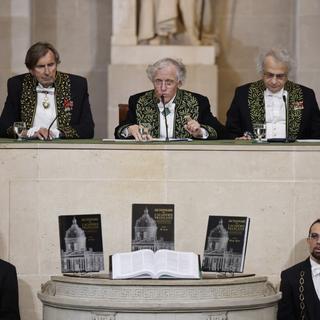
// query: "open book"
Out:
[160,264]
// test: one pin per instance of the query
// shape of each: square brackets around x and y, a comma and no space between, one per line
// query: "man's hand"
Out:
[42,134]
[134,131]
[194,128]
[246,136]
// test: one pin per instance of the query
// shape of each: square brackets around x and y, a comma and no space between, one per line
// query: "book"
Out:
[81,248]
[152,226]
[160,264]
[226,243]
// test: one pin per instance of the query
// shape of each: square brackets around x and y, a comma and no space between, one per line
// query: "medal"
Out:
[45,102]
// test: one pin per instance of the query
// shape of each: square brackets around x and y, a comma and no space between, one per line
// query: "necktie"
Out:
[165,111]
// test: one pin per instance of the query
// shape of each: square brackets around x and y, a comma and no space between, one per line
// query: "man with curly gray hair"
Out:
[169,111]
[288,110]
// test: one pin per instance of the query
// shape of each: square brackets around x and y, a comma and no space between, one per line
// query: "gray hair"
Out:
[279,54]
[163,63]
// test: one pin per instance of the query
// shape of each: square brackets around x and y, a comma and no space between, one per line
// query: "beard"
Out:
[316,254]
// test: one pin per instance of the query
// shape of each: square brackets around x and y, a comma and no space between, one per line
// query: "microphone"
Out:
[284,97]
[165,117]
[51,124]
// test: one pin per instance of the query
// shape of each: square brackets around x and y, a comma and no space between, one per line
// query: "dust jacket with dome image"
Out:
[81,247]
[152,226]
[226,243]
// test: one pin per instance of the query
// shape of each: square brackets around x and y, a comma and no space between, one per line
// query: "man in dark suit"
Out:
[188,114]
[267,100]
[9,302]
[46,98]
[300,284]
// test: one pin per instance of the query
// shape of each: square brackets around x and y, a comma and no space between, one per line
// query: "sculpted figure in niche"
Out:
[175,22]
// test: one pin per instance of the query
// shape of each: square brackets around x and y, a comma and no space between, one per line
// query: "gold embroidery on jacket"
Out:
[62,95]
[257,108]
[186,104]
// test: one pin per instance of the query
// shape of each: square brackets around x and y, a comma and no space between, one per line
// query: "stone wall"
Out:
[81,30]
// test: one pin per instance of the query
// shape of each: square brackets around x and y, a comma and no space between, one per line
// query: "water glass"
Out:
[145,130]
[19,127]
[259,131]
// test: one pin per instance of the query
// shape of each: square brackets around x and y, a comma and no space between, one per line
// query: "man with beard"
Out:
[300,284]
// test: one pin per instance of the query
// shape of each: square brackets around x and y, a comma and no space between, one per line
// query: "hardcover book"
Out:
[226,243]
[160,264]
[81,243]
[152,226]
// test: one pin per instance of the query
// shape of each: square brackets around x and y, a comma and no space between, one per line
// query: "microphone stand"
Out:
[165,118]
[51,124]
[284,97]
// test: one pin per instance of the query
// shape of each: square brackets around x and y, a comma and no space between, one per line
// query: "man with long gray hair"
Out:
[288,110]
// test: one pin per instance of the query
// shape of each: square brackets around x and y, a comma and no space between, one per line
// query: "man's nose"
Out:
[46,70]
[274,79]
[163,85]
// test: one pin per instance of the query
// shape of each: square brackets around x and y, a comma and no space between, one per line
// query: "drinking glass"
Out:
[259,131]
[144,130]
[18,128]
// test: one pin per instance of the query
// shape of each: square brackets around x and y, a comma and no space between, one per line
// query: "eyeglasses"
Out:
[168,82]
[279,76]
[314,236]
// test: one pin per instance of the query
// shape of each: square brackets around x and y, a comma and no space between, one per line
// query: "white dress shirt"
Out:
[315,273]
[170,118]
[275,111]
[44,116]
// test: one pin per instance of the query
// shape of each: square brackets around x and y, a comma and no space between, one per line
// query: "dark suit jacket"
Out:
[239,115]
[193,104]
[9,304]
[81,124]
[289,305]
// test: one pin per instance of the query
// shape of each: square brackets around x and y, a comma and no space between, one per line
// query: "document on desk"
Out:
[308,140]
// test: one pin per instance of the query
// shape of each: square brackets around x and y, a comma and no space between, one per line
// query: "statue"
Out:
[175,22]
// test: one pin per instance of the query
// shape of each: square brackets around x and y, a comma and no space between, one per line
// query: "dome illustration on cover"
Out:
[145,227]
[75,238]
[218,238]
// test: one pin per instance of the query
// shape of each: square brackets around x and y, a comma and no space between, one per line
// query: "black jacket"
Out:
[9,301]
[240,113]
[289,305]
[143,106]
[81,124]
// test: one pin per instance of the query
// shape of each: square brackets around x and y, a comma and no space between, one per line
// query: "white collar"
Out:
[41,89]
[170,105]
[315,267]
[278,94]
